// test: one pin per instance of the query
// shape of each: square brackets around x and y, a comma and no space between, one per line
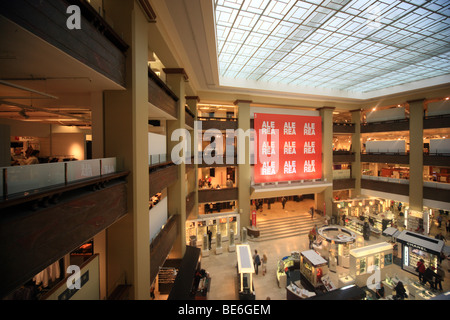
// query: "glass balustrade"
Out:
[30,178]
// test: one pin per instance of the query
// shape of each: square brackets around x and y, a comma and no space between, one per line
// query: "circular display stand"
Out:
[337,234]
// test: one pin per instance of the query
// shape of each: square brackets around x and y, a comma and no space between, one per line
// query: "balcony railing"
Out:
[343,127]
[218,123]
[385,126]
[155,159]
[20,181]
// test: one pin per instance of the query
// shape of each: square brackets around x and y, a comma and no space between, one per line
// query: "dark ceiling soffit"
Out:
[148,10]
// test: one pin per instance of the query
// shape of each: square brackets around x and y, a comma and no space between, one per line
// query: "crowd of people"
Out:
[31,156]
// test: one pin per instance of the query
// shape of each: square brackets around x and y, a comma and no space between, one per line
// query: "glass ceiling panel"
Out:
[357,45]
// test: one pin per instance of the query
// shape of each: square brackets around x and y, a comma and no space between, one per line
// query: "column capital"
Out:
[242,101]
[176,71]
[356,110]
[192,98]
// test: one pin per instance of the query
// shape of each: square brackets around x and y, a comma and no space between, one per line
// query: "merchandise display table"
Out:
[345,281]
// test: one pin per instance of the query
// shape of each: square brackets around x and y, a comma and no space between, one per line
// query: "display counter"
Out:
[417,246]
[285,265]
[418,291]
[245,269]
[364,261]
[294,291]
[345,280]
[356,225]
[312,268]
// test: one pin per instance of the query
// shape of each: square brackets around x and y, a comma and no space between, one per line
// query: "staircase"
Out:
[286,227]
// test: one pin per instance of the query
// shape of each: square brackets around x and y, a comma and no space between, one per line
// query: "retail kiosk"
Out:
[312,268]
[416,246]
[366,260]
[245,269]
[337,244]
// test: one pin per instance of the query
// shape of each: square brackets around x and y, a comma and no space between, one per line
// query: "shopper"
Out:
[33,159]
[343,219]
[264,264]
[448,225]
[311,239]
[421,270]
[379,292]
[209,238]
[442,256]
[440,236]
[428,277]
[311,211]
[400,291]
[256,261]
[440,277]
[439,220]
[283,201]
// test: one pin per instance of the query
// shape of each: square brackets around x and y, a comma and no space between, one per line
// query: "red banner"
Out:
[288,147]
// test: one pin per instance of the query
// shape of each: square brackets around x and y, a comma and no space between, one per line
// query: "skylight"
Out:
[352,46]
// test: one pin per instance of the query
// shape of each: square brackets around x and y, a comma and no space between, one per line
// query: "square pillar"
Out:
[244,168]
[416,112]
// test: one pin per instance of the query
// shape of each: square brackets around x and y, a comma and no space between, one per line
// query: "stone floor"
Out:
[222,267]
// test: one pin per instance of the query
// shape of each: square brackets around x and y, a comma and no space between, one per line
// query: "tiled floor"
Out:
[223,272]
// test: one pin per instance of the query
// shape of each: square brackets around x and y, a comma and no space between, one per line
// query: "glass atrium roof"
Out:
[349,45]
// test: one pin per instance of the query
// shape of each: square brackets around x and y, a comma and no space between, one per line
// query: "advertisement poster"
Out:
[288,147]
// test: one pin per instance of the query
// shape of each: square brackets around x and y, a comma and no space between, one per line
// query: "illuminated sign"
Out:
[288,147]
[406,255]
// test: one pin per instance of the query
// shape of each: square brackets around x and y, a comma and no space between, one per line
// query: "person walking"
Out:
[264,264]
[428,277]
[421,270]
[311,239]
[283,201]
[311,211]
[440,277]
[439,219]
[448,225]
[256,261]
[209,238]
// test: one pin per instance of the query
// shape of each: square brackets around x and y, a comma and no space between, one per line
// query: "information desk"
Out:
[245,270]
[364,261]
[312,268]
[416,246]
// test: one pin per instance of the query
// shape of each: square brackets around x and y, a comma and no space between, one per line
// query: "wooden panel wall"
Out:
[47,20]
[162,178]
[32,240]
[161,96]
